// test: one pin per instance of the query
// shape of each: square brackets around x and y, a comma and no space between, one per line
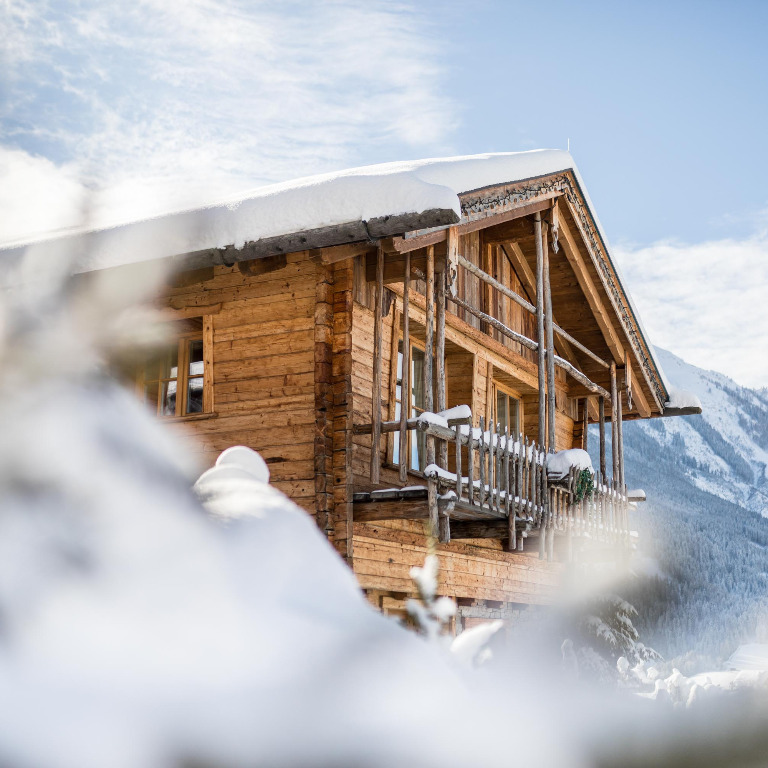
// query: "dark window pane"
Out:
[419,451]
[515,416]
[168,404]
[195,396]
[502,411]
[417,379]
[195,357]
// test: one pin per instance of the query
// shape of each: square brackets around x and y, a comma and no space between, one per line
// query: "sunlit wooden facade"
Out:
[309,354]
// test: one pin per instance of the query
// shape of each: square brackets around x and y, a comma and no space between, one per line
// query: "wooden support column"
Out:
[540,329]
[489,393]
[405,387]
[601,405]
[585,424]
[376,393]
[429,404]
[323,459]
[343,411]
[620,425]
[549,330]
[486,303]
[614,428]
[442,458]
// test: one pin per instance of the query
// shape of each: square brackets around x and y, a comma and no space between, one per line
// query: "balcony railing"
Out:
[503,491]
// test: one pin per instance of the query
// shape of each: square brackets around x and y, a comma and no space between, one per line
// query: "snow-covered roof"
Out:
[374,193]
[345,206]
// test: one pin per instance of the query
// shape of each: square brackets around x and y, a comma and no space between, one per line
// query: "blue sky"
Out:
[665,101]
[122,110]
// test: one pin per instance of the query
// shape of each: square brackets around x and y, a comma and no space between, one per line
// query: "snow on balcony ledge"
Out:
[559,464]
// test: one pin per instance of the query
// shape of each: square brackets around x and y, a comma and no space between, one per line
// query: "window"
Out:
[417,441]
[507,409]
[177,382]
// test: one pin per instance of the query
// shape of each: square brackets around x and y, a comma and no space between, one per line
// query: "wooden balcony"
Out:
[502,491]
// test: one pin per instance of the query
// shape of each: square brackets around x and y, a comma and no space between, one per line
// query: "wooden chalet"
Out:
[327,342]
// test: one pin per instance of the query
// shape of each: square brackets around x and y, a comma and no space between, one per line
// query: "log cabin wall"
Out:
[293,362]
[264,391]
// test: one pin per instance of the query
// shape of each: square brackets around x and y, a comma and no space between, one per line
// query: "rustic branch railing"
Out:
[530,344]
[506,480]
[510,294]
[512,487]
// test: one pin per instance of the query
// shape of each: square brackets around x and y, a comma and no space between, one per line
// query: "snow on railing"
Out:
[514,478]
[551,493]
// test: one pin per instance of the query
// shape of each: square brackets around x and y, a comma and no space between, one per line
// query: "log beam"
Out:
[541,436]
[590,291]
[405,386]
[429,404]
[549,330]
[377,367]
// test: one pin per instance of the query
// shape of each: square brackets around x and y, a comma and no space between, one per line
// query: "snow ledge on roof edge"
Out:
[421,193]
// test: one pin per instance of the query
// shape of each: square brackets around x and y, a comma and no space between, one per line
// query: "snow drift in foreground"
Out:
[139,629]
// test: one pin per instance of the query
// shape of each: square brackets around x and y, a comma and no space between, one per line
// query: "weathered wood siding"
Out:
[385,552]
[263,369]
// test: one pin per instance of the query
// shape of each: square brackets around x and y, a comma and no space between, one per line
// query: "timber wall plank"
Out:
[384,557]
[263,370]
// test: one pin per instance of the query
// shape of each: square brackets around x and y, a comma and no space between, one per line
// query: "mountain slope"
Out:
[726,448]
[704,522]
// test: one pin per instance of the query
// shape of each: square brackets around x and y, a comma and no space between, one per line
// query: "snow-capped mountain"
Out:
[725,450]
[705,523]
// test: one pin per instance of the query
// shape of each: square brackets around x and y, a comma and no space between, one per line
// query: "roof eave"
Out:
[692,410]
[323,237]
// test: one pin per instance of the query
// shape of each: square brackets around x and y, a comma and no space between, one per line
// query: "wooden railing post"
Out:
[620,424]
[544,508]
[459,481]
[505,470]
[601,406]
[434,523]
[376,394]
[520,479]
[499,468]
[614,428]
[471,466]
[570,510]
[548,495]
[481,451]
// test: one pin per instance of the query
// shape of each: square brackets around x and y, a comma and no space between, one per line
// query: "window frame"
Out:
[413,410]
[511,394]
[183,339]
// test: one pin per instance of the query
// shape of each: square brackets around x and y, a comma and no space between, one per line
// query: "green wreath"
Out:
[584,485]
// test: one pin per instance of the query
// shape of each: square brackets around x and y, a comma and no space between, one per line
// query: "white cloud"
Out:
[34,189]
[707,302]
[168,104]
